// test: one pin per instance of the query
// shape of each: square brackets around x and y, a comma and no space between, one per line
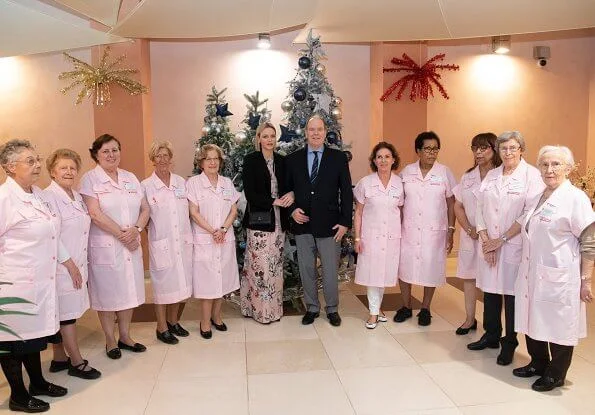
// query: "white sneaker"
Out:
[382,318]
[371,325]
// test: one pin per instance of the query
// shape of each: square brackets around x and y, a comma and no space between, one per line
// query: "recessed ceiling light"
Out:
[264,41]
[501,44]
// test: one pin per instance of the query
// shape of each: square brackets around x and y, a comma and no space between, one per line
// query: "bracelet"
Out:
[468,230]
[451,228]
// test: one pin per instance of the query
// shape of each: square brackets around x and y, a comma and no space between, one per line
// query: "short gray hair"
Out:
[10,151]
[510,135]
[561,150]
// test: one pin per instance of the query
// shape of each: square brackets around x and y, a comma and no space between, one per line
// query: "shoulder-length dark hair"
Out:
[486,139]
[99,142]
[389,147]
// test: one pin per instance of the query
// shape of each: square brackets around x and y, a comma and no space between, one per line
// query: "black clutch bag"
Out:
[264,218]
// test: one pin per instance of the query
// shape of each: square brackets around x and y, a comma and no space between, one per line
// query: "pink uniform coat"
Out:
[74,235]
[170,239]
[502,200]
[425,224]
[466,193]
[116,275]
[29,235]
[378,264]
[547,291]
[215,268]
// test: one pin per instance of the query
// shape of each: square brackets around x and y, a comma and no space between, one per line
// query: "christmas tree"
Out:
[310,93]
[216,129]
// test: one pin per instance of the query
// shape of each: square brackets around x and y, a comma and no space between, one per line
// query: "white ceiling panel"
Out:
[25,31]
[103,11]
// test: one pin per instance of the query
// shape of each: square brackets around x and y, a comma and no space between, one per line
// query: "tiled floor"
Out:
[287,368]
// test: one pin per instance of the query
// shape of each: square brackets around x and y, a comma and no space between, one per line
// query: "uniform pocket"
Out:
[160,254]
[64,283]
[513,250]
[21,285]
[102,250]
[202,247]
[553,285]
[188,245]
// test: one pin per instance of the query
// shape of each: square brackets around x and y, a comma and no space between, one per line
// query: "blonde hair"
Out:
[204,150]
[62,153]
[259,131]
[157,146]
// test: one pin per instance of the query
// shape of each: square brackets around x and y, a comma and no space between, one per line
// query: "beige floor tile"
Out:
[227,396]
[443,411]
[479,382]
[191,359]
[312,393]
[392,390]
[411,326]
[442,346]
[534,406]
[288,328]
[353,346]
[286,356]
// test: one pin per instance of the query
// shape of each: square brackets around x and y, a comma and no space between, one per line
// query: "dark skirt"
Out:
[23,347]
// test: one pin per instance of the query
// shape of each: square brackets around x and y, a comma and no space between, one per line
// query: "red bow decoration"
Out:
[422,79]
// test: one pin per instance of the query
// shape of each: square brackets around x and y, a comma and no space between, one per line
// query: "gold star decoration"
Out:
[96,81]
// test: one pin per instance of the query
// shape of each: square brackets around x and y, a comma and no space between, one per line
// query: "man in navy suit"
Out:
[322,212]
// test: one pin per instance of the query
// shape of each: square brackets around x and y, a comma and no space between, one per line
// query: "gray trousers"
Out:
[329,250]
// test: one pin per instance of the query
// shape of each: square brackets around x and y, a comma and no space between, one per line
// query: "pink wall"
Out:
[183,73]
[32,107]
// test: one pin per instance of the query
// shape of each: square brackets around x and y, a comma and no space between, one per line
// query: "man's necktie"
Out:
[314,172]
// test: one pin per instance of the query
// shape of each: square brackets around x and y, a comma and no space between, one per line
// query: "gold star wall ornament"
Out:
[97,81]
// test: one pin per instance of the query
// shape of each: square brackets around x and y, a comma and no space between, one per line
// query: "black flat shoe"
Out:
[527,371]
[51,390]
[461,331]
[546,383]
[178,330]
[483,343]
[334,319]
[402,314]
[166,337]
[114,354]
[219,327]
[205,334]
[58,366]
[33,405]
[79,371]
[309,317]
[136,348]
[505,357]
[424,318]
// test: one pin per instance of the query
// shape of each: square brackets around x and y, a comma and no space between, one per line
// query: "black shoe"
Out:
[33,405]
[483,343]
[205,334]
[546,383]
[166,337]
[220,327]
[80,372]
[462,331]
[505,357]
[136,347]
[402,314]
[334,319]
[115,353]
[309,317]
[177,330]
[424,318]
[527,371]
[50,389]
[59,366]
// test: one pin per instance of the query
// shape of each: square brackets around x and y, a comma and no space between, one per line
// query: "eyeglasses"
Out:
[481,148]
[31,161]
[555,166]
[511,149]
[162,157]
[431,150]
[211,159]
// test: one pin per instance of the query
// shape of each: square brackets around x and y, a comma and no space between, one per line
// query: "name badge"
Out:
[516,186]
[180,193]
[393,193]
[227,193]
[435,180]
[131,187]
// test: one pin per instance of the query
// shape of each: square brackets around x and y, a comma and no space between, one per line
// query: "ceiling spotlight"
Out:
[264,41]
[501,44]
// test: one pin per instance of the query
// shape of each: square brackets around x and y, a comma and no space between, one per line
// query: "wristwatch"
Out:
[139,229]
[504,238]
[224,229]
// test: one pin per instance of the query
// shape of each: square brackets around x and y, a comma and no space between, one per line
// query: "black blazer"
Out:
[257,188]
[329,200]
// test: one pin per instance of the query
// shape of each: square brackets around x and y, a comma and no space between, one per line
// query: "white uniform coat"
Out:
[466,193]
[170,239]
[116,275]
[503,200]
[215,268]
[74,235]
[425,224]
[378,264]
[29,235]
[547,292]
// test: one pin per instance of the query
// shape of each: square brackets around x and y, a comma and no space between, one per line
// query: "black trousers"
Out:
[492,319]
[558,366]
